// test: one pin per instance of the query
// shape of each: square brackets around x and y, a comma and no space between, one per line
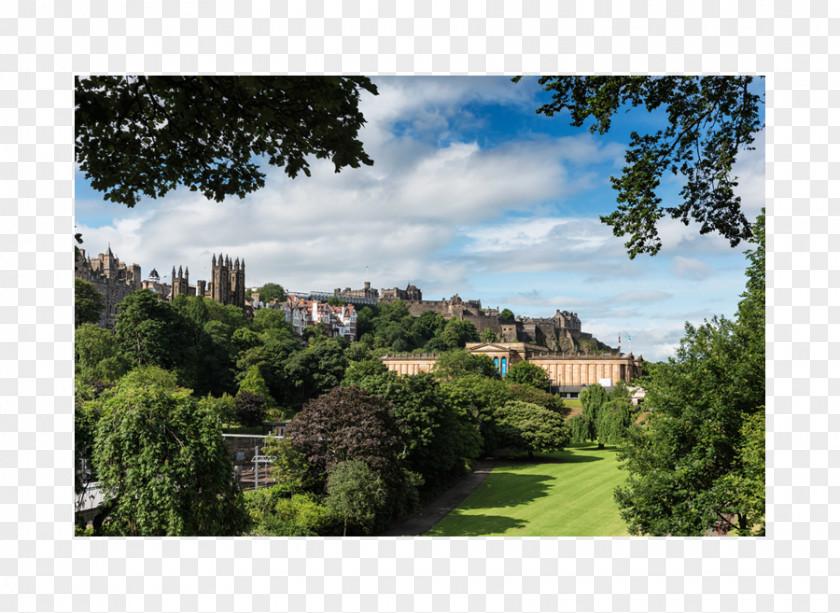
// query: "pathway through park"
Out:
[432,512]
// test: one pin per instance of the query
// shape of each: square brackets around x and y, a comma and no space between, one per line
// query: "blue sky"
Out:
[471,192]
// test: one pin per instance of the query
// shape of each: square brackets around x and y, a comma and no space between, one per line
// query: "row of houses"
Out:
[300,312]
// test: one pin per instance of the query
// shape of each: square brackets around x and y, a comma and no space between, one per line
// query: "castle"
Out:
[561,333]
[113,279]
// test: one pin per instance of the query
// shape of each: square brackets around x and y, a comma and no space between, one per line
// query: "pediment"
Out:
[489,348]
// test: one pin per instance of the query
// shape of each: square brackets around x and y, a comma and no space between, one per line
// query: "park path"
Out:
[432,512]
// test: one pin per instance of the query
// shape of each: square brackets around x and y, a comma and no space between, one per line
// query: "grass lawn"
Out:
[566,493]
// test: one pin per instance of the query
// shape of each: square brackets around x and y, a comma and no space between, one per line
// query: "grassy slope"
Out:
[568,493]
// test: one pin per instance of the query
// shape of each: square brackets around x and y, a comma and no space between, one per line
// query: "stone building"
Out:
[227,282]
[113,279]
[568,374]
[409,294]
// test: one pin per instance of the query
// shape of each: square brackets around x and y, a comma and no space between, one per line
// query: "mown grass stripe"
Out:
[568,493]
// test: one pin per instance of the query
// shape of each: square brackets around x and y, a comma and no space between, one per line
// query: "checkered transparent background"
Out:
[43,568]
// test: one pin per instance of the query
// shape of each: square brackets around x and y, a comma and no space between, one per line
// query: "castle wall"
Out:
[111,278]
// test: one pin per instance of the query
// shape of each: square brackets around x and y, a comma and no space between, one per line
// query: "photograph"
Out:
[419,306]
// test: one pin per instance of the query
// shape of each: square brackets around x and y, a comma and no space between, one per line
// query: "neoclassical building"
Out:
[568,374]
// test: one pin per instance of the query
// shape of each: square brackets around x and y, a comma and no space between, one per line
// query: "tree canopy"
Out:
[710,121]
[88,304]
[142,136]
[698,462]
[161,462]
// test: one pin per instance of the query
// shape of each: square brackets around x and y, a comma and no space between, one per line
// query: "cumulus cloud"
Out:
[511,222]
[690,268]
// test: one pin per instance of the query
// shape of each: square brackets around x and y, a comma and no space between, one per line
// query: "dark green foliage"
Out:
[460,363]
[613,422]
[479,397]
[458,332]
[489,335]
[580,429]
[506,315]
[709,121]
[224,407]
[357,371]
[592,398]
[271,291]
[699,455]
[357,494]
[352,424]
[315,370]
[269,319]
[527,373]
[607,415]
[142,136]
[162,463]
[97,357]
[533,395]
[150,331]
[250,408]
[88,303]
[440,438]
[530,427]
[742,492]
[427,326]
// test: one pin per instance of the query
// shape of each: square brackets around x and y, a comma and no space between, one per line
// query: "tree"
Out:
[530,427]
[357,371]
[741,493]
[250,408]
[459,363]
[527,373]
[439,438]
[489,335]
[93,344]
[162,464]
[356,493]
[352,424]
[592,398]
[269,319]
[150,331]
[506,315]
[710,121]
[272,291]
[141,135]
[686,463]
[274,513]
[88,304]
[533,395]
[459,332]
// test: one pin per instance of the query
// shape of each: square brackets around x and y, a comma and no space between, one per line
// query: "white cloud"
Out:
[690,268]
[439,209]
